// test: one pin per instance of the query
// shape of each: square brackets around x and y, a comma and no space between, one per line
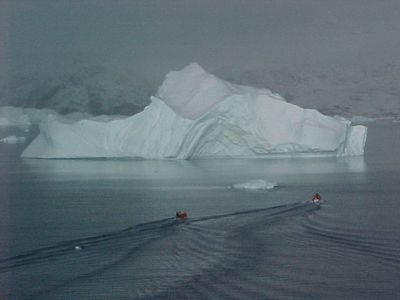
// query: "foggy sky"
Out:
[150,37]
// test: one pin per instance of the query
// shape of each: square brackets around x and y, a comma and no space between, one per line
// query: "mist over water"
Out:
[94,56]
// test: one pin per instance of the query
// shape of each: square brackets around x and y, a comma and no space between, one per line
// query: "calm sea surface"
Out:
[105,229]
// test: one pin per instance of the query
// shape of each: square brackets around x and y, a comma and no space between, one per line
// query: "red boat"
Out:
[181,215]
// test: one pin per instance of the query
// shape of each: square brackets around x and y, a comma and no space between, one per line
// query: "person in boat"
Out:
[181,215]
[316,197]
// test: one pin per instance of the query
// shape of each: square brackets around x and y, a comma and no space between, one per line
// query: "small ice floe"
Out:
[12,139]
[255,185]
[78,248]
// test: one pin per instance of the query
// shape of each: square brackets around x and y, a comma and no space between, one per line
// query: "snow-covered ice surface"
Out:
[197,115]
[105,229]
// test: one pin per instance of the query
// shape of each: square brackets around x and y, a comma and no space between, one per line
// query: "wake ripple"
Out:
[145,261]
[362,243]
[286,251]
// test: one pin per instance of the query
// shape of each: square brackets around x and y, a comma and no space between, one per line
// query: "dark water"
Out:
[89,229]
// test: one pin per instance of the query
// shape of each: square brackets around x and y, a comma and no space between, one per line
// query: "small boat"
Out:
[316,198]
[181,215]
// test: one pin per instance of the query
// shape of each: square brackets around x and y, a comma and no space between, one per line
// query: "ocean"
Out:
[106,229]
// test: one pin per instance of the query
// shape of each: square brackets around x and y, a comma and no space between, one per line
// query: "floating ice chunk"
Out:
[12,139]
[253,185]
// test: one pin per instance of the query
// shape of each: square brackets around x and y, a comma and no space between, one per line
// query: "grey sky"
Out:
[224,32]
[151,37]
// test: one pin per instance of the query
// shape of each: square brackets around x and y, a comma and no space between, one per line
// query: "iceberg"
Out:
[197,115]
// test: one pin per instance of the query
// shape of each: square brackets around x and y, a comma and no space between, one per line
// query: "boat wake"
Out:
[146,260]
[287,250]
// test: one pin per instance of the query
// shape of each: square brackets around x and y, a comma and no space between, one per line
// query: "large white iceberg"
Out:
[197,115]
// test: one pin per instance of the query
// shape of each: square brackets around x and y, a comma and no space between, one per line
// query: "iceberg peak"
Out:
[191,92]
